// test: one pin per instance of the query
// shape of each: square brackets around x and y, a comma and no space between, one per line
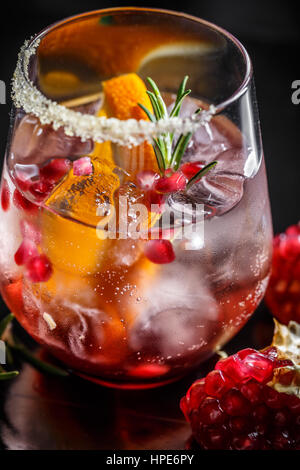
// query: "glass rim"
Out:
[130,132]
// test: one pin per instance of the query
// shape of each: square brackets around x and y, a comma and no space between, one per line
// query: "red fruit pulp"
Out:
[22,203]
[55,170]
[170,184]
[5,196]
[25,252]
[146,179]
[159,251]
[83,167]
[39,269]
[190,169]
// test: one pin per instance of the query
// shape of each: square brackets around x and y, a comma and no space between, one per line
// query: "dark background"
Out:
[270,30]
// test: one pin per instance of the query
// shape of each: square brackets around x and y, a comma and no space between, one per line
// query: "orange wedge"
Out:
[122,95]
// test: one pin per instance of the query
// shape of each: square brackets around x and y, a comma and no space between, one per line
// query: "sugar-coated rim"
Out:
[99,129]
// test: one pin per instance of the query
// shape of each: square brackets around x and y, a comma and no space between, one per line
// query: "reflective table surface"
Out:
[39,412]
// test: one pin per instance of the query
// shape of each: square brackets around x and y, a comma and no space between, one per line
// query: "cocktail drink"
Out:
[135,223]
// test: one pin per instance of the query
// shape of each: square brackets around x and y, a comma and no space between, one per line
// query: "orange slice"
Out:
[122,95]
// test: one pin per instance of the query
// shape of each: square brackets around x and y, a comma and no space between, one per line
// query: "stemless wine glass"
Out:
[117,254]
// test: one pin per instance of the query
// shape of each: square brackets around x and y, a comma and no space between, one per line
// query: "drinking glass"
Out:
[129,270]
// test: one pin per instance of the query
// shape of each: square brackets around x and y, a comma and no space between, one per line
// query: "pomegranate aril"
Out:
[235,404]
[5,195]
[282,441]
[146,179]
[214,437]
[155,201]
[260,367]
[234,368]
[22,203]
[83,167]
[282,417]
[283,292]
[246,442]
[293,230]
[190,169]
[26,250]
[216,383]
[239,424]
[185,408]
[252,391]
[293,403]
[41,189]
[196,393]
[39,269]
[261,413]
[159,251]
[210,412]
[243,353]
[272,398]
[55,170]
[170,184]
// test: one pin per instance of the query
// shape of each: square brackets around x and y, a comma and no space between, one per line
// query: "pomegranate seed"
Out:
[293,403]
[261,413]
[170,184]
[214,437]
[22,203]
[39,268]
[26,250]
[252,391]
[239,424]
[184,408]
[5,195]
[235,404]
[260,368]
[293,230]
[159,251]
[234,367]
[83,167]
[272,398]
[189,169]
[155,201]
[249,442]
[196,393]
[282,417]
[55,170]
[210,412]
[145,179]
[216,383]
[245,352]
[41,189]
[282,441]
[28,230]
[283,292]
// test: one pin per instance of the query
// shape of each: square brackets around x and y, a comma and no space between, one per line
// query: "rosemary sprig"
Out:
[200,173]
[14,346]
[168,154]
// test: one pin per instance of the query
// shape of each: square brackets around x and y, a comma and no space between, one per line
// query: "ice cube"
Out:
[176,313]
[34,143]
